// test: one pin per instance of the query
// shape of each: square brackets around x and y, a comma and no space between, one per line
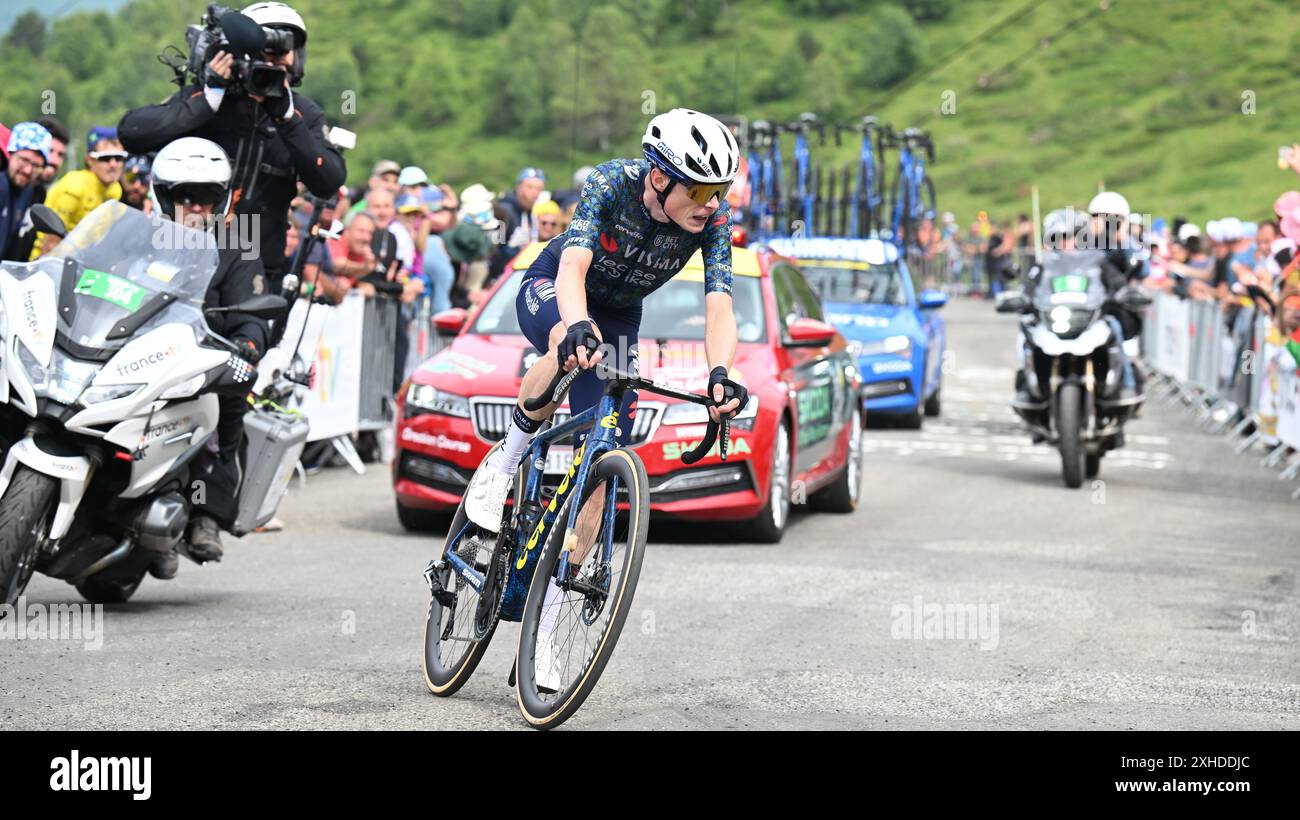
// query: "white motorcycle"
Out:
[109,377]
[1071,365]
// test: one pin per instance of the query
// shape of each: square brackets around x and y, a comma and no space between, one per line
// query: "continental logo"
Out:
[553,506]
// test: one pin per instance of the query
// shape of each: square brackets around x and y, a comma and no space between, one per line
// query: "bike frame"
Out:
[598,442]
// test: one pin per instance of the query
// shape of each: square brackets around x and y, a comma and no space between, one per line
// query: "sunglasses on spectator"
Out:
[141,177]
[108,156]
[36,164]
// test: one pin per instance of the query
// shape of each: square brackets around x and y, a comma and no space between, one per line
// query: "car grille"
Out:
[492,419]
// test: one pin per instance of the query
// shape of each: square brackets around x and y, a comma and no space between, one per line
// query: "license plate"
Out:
[559,460]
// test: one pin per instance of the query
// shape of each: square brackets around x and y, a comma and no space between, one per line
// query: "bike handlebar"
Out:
[715,431]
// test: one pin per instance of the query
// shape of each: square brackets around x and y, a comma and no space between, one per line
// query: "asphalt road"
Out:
[1162,597]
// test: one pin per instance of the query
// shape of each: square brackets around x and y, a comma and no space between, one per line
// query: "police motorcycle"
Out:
[1069,388]
[109,378]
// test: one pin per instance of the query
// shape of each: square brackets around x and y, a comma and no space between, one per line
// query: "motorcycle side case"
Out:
[275,443]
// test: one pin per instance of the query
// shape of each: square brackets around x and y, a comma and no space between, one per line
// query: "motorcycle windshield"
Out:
[1071,278]
[129,273]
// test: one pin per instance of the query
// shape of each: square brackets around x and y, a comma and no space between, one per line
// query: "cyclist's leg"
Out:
[620,328]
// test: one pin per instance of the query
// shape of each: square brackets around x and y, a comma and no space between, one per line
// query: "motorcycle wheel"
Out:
[24,510]
[1069,426]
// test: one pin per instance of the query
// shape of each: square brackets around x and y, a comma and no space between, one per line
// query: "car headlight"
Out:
[898,345]
[691,413]
[429,399]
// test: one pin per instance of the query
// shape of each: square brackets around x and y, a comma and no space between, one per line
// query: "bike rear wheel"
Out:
[585,620]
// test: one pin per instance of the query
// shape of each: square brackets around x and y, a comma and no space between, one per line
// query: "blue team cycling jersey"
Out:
[633,254]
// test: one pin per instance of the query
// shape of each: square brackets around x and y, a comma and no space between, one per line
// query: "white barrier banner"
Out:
[1288,402]
[1175,340]
[333,404]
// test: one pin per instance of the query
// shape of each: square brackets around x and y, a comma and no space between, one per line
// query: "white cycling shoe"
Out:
[485,499]
[544,666]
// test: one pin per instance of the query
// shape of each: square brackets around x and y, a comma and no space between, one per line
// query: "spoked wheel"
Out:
[570,628]
[458,630]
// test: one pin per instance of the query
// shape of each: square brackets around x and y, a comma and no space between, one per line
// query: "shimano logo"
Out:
[668,152]
[102,774]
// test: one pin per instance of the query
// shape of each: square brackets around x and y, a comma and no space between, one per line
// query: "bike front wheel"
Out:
[577,620]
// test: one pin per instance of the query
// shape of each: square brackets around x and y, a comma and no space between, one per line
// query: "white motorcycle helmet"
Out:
[694,150]
[279,15]
[200,166]
[1109,203]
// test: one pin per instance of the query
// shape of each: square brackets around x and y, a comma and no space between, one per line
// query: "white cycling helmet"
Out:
[279,15]
[198,164]
[1109,203]
[692,149]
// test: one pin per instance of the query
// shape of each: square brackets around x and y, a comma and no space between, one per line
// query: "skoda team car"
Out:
[802,424]
[896,335]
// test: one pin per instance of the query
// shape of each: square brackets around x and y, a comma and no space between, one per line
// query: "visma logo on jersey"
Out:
[521,572]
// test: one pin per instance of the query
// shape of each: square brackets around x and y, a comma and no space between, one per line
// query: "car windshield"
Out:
[674,311]
[116,263]
[866,285]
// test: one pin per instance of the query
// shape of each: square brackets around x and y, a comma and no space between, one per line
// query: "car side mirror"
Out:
[806,332]
[47,221]
[450,322]
[932,299]
[1012,301]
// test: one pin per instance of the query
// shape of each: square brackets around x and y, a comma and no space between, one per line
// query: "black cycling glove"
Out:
[730,389]
[580,334]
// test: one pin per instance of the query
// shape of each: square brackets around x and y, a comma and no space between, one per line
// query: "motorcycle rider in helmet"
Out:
[191,185]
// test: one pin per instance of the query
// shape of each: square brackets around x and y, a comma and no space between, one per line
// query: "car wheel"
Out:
[842,496]
[414,519]
[932,406]
[912,420]
[769,526]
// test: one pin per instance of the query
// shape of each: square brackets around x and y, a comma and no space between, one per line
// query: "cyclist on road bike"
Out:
[635,227]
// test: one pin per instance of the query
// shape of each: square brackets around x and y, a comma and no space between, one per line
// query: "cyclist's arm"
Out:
[595,208]
[571,284]
[719,330]
[719,317]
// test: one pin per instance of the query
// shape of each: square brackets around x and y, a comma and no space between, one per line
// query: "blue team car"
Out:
[896,334]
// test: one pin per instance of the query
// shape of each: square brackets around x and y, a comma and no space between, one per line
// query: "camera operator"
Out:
[274,138]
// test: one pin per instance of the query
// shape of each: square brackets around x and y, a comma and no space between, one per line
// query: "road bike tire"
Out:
[626,467]
[445,677]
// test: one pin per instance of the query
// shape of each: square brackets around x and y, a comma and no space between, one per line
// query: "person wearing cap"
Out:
[274,141]
[518,228]
[383,175]
[78,193]
[411,179]
[26,241]
[547,217]
[135,183]
[28,151]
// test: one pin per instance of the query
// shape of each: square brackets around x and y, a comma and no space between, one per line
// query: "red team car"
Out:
[798,440]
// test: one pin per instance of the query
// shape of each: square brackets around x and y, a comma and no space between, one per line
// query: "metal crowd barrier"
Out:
[378,348]
[1220,373]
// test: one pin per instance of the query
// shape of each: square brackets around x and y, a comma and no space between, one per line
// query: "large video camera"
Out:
[224,30]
